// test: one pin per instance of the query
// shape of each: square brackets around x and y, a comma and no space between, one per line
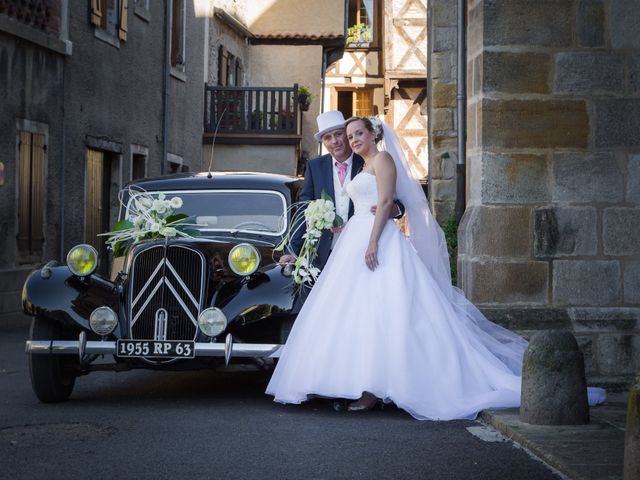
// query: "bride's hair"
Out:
[372,124]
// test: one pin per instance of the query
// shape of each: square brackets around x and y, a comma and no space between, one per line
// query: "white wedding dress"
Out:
[395,333]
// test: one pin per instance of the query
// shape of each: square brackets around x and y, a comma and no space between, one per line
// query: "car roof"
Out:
[216,180]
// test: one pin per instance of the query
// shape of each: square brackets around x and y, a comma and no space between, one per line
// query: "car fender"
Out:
[53,292]
[263,294]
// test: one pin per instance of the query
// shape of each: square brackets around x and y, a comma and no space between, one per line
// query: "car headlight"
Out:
[244,259]
[212,321]
[103,320]
[82,260]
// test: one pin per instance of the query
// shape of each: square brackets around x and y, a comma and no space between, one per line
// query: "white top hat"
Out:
[328,121]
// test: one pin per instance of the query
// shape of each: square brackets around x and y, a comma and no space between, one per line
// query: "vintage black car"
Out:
[178,303]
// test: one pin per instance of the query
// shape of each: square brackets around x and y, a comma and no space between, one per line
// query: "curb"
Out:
[493,419]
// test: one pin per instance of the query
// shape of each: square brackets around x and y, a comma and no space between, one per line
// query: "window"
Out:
[111,17]
[138,166]
[177,34]
[363,27]
[31,178]
[356,103]
[229,69]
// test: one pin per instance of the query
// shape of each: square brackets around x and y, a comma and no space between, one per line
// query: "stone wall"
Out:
[443,152]
[553,213]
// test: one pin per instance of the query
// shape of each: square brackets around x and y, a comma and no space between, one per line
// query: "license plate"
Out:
[155,349]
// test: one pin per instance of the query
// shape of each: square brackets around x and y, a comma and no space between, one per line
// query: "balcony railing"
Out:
[241,113]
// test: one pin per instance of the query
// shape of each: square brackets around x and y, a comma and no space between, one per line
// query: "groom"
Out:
[332,173]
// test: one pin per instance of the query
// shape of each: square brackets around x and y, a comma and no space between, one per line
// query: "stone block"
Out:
[13,280]
[586,282]
[444,14]
[535,123]
[590,23]
[498,282]
[498,232]
[442,66]
[633,179]
[554,387]
[530,319]
[617,122]
[633,67]
[475,27]
[565,231]
[618,354]
[515,178]
[589,73]
[586,344]
[442,210]
[588,178]
[444,166]
[621,231]
[444,141]
[516,72]
[631,463]
[632,282]
[478,65]
[444,95]
[444,39]
[545,23]
[10,302]
[625,15]
[604,319]
[443,189]
[442,119]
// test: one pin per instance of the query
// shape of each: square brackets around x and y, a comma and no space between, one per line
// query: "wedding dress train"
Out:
[394,332]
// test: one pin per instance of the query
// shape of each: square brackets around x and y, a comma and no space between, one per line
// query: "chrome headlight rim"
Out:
[209,328]
[91,250]
[103,320]
[254,251]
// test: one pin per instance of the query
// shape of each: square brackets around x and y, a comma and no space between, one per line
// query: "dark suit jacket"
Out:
[318,177]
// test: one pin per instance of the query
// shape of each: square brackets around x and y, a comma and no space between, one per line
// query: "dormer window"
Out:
[362,30]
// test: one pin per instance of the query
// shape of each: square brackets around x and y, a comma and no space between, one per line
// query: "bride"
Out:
[383,321]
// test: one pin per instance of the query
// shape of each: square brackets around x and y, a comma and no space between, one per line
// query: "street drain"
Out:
[52,434]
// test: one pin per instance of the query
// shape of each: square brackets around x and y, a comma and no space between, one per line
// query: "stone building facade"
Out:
[83,112]
[550,235]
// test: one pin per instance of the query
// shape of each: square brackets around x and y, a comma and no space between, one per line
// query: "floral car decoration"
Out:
[150,218]
[319,215]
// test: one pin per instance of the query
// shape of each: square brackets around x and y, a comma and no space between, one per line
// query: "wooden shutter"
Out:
[96,13]
[222,66]
[24,192]
[94,196]
[363,103]
[124,16]
[238,72]
[175,32]
[31,195]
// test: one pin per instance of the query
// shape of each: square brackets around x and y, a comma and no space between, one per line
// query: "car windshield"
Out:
[252,211]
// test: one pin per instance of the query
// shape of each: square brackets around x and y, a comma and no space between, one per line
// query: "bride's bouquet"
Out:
[149,218]
[317,215]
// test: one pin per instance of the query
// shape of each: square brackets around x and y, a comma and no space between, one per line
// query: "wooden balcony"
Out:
[252,115]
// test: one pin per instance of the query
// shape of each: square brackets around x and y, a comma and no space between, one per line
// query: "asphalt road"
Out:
[206,425]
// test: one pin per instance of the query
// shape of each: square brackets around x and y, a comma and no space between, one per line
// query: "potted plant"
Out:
[304,98]
[359,35]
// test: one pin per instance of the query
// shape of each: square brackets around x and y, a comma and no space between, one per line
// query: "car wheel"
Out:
[51,376]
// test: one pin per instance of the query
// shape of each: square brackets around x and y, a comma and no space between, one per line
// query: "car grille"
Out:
[167,289]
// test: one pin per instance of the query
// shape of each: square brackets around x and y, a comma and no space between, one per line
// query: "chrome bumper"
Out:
[202,349]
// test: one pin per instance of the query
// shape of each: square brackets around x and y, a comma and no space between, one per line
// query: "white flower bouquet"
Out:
[318,215]
[149,218]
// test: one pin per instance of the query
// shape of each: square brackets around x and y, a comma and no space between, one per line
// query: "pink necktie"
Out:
[342,171]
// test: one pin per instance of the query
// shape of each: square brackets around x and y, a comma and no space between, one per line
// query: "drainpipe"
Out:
[462,109]
[165,85]
[63,134]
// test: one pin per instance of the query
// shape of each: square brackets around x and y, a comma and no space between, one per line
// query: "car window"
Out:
[253,211]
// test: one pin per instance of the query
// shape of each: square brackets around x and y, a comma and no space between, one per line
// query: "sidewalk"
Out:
[582,452]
